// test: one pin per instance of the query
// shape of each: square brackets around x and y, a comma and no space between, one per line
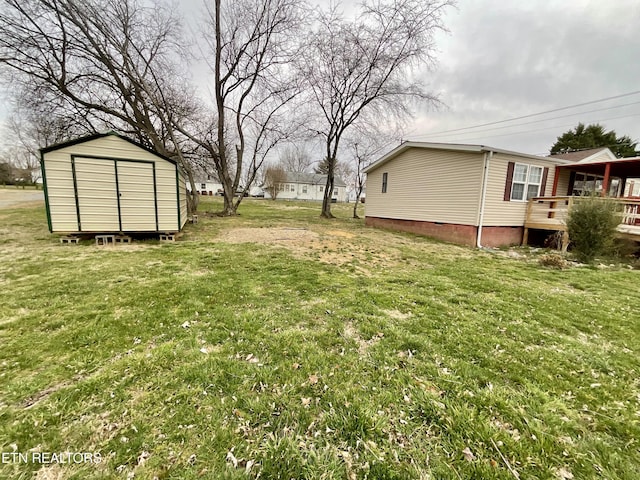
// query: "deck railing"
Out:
[550,213]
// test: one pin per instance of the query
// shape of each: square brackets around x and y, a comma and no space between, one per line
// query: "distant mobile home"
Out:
[309,186]
[107,183]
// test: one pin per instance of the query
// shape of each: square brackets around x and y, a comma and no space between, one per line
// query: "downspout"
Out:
[483,196]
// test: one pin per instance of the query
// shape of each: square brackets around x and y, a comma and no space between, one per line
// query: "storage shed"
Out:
[107,183]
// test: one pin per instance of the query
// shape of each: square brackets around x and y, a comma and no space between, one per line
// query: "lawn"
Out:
[280,345]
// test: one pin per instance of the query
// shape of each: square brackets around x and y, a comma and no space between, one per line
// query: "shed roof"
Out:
[455,147]
[96,136]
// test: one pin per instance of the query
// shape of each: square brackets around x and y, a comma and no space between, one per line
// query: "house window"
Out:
[526,181]
[385,176]
[585,184]
[304,189]
[321,189]
[203,186]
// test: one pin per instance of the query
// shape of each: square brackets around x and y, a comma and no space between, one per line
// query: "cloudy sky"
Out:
[503,59]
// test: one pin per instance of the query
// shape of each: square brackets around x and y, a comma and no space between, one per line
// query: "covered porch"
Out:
[619,179]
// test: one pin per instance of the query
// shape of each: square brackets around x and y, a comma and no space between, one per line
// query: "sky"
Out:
[505,59]
[502,59]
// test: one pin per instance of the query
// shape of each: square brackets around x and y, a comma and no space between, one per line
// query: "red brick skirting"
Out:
[452,232]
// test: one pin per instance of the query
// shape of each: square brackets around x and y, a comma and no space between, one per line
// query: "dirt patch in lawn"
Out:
[334,247]
[268,235]
[351,333]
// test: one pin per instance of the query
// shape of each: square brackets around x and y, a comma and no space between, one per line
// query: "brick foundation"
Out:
[452,232]
[501,236]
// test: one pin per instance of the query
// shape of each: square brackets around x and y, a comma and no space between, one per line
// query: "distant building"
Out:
[309,186]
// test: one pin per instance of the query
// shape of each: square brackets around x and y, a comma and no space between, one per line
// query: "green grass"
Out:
[345,352]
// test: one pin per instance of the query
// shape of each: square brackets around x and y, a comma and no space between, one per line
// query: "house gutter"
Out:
[483,196]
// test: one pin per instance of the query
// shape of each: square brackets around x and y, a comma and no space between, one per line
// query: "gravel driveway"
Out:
[16,197]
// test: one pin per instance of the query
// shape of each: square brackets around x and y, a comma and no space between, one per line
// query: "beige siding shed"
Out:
[108,183]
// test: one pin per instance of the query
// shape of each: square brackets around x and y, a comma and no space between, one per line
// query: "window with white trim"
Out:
[304,189]
[526,181]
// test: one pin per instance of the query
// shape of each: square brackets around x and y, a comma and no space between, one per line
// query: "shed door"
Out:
[136,187]
[97,199]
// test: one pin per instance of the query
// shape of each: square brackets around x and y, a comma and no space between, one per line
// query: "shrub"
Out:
[592,223]
[553,260]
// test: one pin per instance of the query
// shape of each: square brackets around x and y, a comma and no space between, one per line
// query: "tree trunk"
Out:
[193,198]
[229,209]
[326,200]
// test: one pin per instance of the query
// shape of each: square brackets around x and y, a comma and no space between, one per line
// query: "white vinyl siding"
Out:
[563,183]
[497,211]
[182,191]
[428,185]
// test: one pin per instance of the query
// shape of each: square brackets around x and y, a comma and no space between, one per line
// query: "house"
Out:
[468,194]
[107,183]
[309,186]
[484,196]
[591,172]
[208,185]
[352,195]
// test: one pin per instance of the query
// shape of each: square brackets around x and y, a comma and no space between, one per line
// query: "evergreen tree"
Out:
[594,136]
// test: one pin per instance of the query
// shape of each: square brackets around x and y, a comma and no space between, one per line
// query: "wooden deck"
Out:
[550,213]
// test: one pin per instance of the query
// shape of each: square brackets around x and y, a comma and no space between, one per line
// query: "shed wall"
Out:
[182,192]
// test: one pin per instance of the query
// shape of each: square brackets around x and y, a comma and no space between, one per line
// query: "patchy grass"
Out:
[341,352]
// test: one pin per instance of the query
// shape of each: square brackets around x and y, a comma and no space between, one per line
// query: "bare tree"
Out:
[296,158]
[360,67]
[20,165]
[93,60]
[36,123]
[274,177]
[253,44]
[366,142]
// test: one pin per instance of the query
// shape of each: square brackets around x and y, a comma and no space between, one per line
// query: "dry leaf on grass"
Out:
[563,474]
[468,455]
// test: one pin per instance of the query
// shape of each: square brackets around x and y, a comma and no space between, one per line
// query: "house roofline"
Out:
[456,147]
[596,153]
[604,162]
[95,136]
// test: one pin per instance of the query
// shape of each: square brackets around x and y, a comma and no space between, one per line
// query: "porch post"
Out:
[555,181]
[605,182]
